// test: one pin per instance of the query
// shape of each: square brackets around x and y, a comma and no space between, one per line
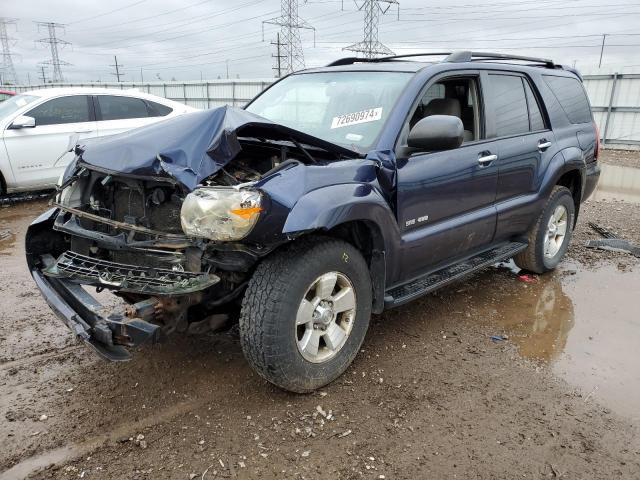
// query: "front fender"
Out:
[330,206]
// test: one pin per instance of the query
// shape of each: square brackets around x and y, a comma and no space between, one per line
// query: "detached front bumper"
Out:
[81,313]
[60,274]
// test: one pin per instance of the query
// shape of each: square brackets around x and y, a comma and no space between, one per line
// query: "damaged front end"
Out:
[162,218]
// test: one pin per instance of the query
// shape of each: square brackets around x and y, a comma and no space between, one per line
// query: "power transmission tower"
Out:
[7,69]
[292,56]
[278,57]
[117,66]
[370,46]
[53,42]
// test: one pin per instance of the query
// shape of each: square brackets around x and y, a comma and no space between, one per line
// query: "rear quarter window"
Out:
[157,109]
[571,97]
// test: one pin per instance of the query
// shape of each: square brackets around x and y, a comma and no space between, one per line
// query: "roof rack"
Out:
[460,56]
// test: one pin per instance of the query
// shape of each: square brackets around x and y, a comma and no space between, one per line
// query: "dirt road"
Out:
[554,394]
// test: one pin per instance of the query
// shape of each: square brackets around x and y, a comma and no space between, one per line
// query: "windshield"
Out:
[14,104]
[347,108]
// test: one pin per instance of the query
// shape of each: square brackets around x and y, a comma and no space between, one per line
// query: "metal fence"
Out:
[203,94]
[615,99]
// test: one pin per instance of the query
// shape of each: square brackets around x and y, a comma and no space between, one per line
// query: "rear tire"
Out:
[305,313]
[549,238]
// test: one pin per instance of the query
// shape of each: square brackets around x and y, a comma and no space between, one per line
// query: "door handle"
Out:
[487,159]
[543,145]
[83,131]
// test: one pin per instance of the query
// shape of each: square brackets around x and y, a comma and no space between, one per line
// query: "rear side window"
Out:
[115,107]
[510,105]
[73,109]
[535,115]
[158,110]
[571,96]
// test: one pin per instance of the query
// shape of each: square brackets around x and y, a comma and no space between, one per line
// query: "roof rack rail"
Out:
[459,56]
[352,60]
[467,56]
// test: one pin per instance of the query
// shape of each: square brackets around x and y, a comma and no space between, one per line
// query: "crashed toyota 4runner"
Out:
[336,193]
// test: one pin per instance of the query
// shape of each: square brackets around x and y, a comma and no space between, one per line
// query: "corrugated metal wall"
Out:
[205,94]
[615,99]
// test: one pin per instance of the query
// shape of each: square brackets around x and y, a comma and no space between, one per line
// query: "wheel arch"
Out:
[358,214]
[572,180]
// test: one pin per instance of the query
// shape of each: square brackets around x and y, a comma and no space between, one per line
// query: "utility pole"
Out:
[43,76]
[291,47]
[278,56]
[117,66]
[7,68]
[227,63]
[370,46]
[604,38]
[53,42]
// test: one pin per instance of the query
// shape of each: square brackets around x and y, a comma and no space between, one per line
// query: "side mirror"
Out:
[436,133]
[23,121]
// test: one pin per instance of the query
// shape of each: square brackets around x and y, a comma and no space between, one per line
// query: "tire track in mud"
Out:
[29,359]
[67,453]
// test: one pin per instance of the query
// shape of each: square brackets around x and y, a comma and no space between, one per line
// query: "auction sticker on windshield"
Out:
[364,116]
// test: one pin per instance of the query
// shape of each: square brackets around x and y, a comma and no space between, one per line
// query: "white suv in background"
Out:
[36,126]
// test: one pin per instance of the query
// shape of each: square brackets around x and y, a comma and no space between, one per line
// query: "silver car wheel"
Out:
[556,231]
[325,317]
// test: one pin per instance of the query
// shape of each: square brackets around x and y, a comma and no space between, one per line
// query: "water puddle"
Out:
[585,324]
[618,183]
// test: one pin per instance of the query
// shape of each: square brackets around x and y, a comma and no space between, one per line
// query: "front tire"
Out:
[305,313]
[549,238]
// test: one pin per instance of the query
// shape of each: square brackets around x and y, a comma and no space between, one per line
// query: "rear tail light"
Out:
[596,153]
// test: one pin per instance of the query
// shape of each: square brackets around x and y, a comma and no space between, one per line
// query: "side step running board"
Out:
[428,283]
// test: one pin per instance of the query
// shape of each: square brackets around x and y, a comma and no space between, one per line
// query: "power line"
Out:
[370,45]
[53,42]
[7,68]
[290,24]
[103,14]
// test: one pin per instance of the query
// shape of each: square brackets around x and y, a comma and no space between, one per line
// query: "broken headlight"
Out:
[220,213]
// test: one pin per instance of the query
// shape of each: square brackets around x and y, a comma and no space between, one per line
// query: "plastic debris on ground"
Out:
[526,278]
[612,242]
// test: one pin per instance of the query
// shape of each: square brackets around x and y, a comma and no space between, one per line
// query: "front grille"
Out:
[128,278]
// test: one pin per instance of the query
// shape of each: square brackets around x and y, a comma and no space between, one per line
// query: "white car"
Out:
[36,127]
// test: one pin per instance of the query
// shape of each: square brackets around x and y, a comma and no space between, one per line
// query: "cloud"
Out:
[193,38]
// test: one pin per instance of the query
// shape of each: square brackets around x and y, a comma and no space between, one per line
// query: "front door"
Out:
[38,155]
[446,200]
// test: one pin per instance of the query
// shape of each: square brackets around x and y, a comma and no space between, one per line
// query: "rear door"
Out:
[120,113]
[445,200]
[525,146]
[38,155]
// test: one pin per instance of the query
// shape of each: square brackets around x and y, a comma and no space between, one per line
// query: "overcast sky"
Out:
[184,39]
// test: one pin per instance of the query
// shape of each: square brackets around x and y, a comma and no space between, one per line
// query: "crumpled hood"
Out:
[190,147]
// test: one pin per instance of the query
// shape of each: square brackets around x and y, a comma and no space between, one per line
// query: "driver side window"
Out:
[458,97]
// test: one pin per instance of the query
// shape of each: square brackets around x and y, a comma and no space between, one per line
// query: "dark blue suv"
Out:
[336,193]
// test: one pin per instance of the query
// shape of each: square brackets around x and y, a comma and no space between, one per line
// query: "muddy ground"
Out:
[555,394]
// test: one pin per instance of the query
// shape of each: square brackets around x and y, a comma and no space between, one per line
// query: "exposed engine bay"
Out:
[175,234]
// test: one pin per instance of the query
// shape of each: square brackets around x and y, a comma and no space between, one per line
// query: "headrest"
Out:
[443,106]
